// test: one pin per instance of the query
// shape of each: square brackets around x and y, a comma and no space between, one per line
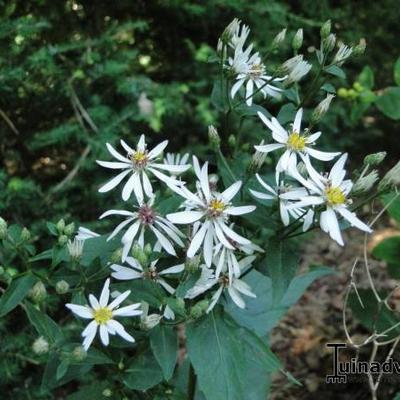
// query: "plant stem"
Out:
[226,165]
[191,383]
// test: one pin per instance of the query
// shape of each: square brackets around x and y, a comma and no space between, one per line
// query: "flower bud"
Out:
[232,141]
[230,30]
[62,240]
[199,309]
[79,353]
[62,287]
[365,183]
[321,108]
[136,250]
[279,38]
[38,293]
[297,40]
[391,179]
[40,346]
[25,235]
[150,321]
[213,137]
[148,250]
[360,48]
[75,248]
[328,44]
[69,229]
[121,365]
[2,270]
[3,228]
[60,225]
[257,160]
[374,159]
[326,29]
[107,392]
[116,256]
[342,92]
[342,54]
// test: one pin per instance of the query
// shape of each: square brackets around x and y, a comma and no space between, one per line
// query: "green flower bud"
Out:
[62,287]
[148,250]
[3,228]
[279,38]
[116,256]
[60,225]
[79,353]
[358,87]
[213,136]
[2,270]
[230,30]
[321,108]
[360,48]
[69,229]
[25,235]
[374,159]
[136,250]
[38,293]
[40,346]
[297,40]
[107,392]
[62,240]
[326,29]
[121,365]
[12,271]
[365,184]
[391,179]
[342,92]
[232,141]
[329,42]
[143,259]
[199,309]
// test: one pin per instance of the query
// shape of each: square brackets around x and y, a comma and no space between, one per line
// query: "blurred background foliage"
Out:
[74,75]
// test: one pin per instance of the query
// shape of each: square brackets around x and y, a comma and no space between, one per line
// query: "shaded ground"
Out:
[300,338]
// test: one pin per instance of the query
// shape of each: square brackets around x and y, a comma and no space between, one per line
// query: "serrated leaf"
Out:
[164,343]
[15,293]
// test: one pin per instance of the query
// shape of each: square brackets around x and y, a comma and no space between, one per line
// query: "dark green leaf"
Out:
[389,103]
[366,77]
[397,72]
[336,71]
[15,293]
[164,343]
[388,250]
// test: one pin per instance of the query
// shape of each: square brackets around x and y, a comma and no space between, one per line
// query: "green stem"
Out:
[226,165]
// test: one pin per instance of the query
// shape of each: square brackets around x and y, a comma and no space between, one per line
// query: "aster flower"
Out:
[293,141]
[235,286]
[285,195]
[251,72]
[331,191]
[75,248]
[342,54]
[102,315]
[139,164]
[145,217]
[85,233]
[176,159]
[135,271]
[211,211]
[296,68]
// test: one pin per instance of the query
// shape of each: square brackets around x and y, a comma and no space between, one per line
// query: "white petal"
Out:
[148,189]
[105,293]
[94,302]
[204,183]
[237,85]
[352,218]
[124,273]
[173,270]
[229,193]
[127,148]
[260,195]
[165,243]
[221,236]
[134,184]
[233,235]
[120,330]
[177,169]
[312,138]
[90,336]
[208,246]
[240,210]
[116,155]
[185,217]
[81,311]
[104,335]
[235,296]
[111,184]
[128,311]
[297,120]
[337,172]
[113,165]
[131,233]
[119,227]
[215,299]
[329,221]
[118,300]
[158,149]
[90,329]
[321,155]
[116,212]
[198,240]
[266,148]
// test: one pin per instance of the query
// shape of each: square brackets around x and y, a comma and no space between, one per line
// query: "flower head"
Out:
[102,315]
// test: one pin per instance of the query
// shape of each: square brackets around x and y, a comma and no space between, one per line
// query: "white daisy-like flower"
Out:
[102,315]
[331,191]
[211,211]
[145,217]
[235,286]
[251,72]
[139,164]
[286,195]
[342,54]
[136,271]
[176,159]
[293,141]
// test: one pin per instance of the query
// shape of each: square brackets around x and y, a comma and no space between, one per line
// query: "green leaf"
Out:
[98,247]
[281,265]
[245,110]
[228,359]
[394,208]
[62,369]
[45,255]
[336,71]
[287,113]
[43,324]
[15,293]
[144,372]
[328,87]
[89,392]
[164,343]
[366,77]
[388,250]
[397,72]
[218,97]
[389,103]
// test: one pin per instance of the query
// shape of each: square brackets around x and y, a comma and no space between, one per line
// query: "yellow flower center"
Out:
[102,315]
[216,207]
[256,70]
[139,158]
[335,196]
[296,141]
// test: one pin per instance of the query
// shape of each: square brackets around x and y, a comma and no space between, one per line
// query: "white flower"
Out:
[85,233]
[330,191]
[293,141]
[176,159]
[136,271]
[147,321]
[102,315]
[211,211]
[342,54]
[235,287]
[146,217]
[298,68]
[251,71]
[285,195]
[75,248]
[238,34]
[139,164]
